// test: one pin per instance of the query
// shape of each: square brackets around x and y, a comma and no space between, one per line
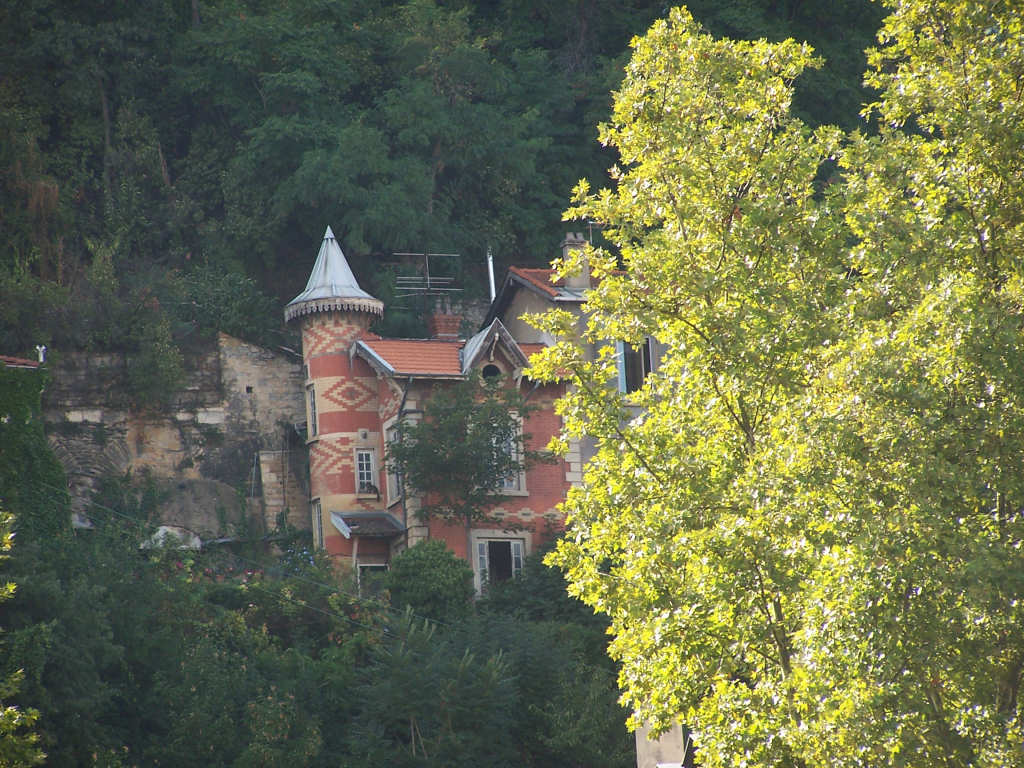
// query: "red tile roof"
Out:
[531,348]
[426,357]
[541,278]
[17,362]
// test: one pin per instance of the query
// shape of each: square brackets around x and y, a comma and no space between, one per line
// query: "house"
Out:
[530,291]
[533,291]
[360,387]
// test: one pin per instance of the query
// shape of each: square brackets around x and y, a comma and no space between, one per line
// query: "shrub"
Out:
[432,581]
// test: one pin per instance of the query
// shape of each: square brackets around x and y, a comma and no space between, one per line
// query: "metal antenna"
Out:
[425,284]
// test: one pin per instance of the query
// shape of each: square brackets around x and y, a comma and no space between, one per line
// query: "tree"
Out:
[808,541]
[18,747]
[430,701]
[431,581]
[32,482]
[460,454]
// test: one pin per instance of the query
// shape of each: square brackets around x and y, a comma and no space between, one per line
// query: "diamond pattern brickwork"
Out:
[333,333]
[327,456]
[358,393]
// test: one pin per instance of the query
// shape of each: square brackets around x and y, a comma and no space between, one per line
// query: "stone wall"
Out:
[238,399]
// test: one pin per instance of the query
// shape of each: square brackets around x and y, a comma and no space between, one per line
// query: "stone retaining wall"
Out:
[238,399]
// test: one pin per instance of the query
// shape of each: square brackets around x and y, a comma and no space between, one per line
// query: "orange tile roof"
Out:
[17,362]
[541,278]
[426,357]
[531,348]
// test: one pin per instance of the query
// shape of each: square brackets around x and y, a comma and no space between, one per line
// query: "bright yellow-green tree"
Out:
[18,742]
[806,527]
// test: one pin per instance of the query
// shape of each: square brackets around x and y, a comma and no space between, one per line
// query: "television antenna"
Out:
[425,284]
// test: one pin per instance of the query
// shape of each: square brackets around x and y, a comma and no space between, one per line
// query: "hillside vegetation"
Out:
[167,167]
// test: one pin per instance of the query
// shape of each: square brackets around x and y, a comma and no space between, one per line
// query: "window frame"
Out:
[368,566]
[392,478]
[481,539]
[516,445]
[623,350]
[316,515]
[311,417]
[373,474]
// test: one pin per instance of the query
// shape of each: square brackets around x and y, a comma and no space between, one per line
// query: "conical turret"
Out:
[332,287]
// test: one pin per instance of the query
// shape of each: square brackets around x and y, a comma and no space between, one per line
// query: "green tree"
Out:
[569,712]
[458,456]
[32,482]
[18,744]
[807,542]
[431,701]
[431,581]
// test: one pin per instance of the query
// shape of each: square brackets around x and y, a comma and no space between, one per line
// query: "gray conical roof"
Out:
[332,287]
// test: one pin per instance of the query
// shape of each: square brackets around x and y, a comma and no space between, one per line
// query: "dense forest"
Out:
[167,167]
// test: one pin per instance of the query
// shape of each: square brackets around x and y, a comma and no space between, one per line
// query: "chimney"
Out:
[579,281]
[444,326]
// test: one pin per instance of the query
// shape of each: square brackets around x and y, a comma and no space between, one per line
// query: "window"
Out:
[634,364]
[510,447]
[498,559]
[318,524]
[312,410]
[365,474]
[394,489]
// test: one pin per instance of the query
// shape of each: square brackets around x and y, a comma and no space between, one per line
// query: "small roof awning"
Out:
[370,524]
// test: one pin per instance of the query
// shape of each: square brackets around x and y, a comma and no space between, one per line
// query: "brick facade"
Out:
[358,386]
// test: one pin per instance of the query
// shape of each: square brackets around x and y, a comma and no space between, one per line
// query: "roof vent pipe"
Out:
[490,272]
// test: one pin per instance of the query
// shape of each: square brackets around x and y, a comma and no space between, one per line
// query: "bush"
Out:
[432,581]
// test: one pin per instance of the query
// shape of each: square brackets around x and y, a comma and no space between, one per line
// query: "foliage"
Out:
[431,581]
[143,656]
[18,744]
[807,542]
[155,372]
[32,484]
[228,132]
[211,300]
[460,454]
[566,680]
[431,702]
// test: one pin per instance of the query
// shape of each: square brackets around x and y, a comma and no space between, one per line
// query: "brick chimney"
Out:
[580,281]
[444,326]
